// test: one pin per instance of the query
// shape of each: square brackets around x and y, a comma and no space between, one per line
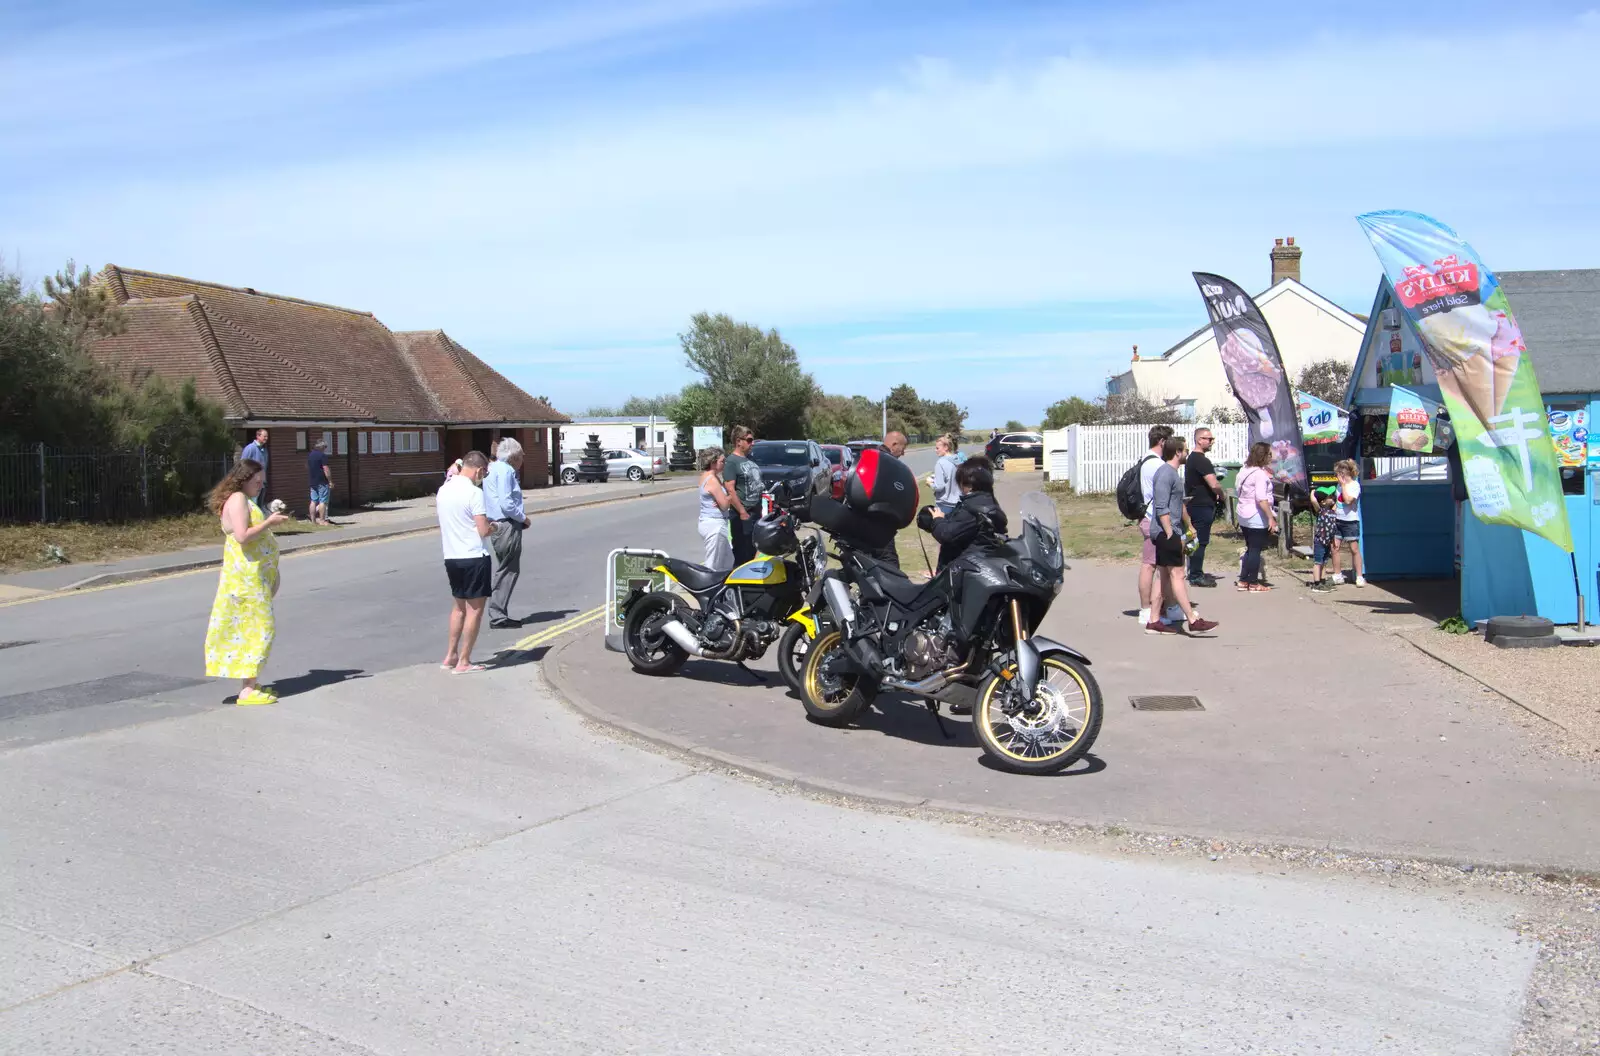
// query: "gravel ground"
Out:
[1562,683]
[1561,1015]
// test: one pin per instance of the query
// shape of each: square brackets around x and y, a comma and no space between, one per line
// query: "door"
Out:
[639,438]
[1585,511]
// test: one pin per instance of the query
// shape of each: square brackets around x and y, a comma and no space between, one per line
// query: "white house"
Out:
[639,432]
[1308,327]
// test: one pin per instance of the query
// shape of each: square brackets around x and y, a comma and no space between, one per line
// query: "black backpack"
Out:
[1130,492]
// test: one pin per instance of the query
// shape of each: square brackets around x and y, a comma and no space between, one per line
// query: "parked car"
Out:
[843,460]
[624,464]
[1015,445]
[859,446]
[798,463]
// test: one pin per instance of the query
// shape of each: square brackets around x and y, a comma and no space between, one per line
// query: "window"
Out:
[661,436]
[327,438]
[380,443]
[300,440]
[361,443]
[343,437]
[407,443]
[430,440]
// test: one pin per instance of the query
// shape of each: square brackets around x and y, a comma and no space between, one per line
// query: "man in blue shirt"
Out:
[502,504]
[256,450]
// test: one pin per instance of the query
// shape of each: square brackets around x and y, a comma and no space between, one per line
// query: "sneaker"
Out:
[1361,581]
[1201,626]
[1161,627]
[1321,586]
[1174,614]
[1144,617]
[1203,581]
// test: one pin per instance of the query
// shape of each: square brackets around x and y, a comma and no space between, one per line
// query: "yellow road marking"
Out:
[539,638]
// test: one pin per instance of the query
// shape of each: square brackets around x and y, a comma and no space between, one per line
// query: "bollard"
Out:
[1285,527]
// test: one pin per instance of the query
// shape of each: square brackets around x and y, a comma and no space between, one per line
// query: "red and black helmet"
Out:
[883,487]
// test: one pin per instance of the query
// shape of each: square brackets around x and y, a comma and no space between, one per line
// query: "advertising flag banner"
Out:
[1255,373]
[1410,421]
[1320,421]
[1476,349]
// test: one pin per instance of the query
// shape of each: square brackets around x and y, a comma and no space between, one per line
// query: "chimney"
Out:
[1285,261]
[1136,353]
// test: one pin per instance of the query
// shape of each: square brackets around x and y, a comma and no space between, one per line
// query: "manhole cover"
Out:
[1168,703]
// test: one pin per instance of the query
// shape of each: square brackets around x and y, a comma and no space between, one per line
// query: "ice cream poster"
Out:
[1410,421]
[1569,432]
[1483,368]
[1320,421]
[1255,373]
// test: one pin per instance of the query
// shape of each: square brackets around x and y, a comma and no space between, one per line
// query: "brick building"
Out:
[395,408]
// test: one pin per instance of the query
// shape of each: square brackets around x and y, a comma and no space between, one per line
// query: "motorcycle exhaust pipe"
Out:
[839,601]
[682,637]
[860,649]
[930,685]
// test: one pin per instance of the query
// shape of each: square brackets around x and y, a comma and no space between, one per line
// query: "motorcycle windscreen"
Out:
[1041,531]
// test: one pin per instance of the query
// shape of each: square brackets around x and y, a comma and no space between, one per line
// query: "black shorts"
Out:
[469,576]
[1169,550]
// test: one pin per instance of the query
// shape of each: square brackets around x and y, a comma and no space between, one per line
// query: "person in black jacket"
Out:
[977,514]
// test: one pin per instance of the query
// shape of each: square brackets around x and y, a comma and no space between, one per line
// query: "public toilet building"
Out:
[1415,520]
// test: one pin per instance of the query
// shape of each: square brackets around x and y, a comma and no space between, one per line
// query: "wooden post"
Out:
[1285,527]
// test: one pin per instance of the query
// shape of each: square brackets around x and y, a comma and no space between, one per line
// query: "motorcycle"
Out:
[971,628]
[734,616]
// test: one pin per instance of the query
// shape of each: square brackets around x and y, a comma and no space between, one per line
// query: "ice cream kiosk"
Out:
[1415,520]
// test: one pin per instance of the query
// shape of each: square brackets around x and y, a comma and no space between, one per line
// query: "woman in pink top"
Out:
[1256,517]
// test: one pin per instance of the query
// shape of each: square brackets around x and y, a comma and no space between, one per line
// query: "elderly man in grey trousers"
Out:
[502,504]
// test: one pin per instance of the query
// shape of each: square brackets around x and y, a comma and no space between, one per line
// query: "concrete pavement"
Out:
[1314,733]
[421,863]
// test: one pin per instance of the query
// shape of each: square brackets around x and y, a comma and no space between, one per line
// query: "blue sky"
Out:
[990,201]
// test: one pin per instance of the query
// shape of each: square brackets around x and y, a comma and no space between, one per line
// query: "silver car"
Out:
[621,464]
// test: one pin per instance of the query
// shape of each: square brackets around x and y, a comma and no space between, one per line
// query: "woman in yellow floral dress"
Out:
[239,636]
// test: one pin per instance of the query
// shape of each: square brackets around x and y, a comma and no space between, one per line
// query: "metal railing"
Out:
[40,484]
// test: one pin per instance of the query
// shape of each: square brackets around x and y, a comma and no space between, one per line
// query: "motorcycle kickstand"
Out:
[753,674]
[933,709]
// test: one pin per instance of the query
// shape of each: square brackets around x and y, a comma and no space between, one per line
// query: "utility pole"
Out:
[885,431]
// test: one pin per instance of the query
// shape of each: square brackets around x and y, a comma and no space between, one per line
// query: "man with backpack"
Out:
[1135,505]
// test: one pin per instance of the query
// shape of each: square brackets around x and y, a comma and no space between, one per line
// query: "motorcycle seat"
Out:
[695,577]
[895,582]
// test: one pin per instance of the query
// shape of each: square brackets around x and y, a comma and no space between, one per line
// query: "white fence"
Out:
[1092,458]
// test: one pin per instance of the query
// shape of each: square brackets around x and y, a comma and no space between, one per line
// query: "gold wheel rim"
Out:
[813,673]
[1004,745]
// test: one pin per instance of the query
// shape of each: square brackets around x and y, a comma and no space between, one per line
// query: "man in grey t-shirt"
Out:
[1168,519]
[745,476]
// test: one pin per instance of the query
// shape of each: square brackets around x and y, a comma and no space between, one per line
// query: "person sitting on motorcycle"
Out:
[974,518]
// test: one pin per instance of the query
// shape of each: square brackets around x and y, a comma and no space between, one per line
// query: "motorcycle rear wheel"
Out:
[650,651]
[1048,733]
[832,699]
[793,648]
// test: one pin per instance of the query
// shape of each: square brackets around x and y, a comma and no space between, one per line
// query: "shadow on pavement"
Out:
[545,617]
[1089,764]
[516,657]
[316,678]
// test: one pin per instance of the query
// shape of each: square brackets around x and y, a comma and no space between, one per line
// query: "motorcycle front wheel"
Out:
[1048,733]
[833,698]
[649,650]
[793,648]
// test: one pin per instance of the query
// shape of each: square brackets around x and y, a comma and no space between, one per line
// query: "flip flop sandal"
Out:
[253,698]
[469,669]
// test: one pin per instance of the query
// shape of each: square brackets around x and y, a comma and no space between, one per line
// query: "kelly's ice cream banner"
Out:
[1255,373]
[1410,421]
[1484,373]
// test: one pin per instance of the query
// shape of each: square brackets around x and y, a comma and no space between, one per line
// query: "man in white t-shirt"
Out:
[1149,586]
[463,527]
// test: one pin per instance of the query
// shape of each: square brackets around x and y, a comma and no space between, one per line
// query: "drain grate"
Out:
[1166,703]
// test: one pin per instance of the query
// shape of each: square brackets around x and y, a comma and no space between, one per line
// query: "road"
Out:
[397,860]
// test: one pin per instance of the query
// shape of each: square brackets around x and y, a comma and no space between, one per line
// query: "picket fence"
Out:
[1092,458]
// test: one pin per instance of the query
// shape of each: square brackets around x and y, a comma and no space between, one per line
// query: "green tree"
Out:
[1014,426]
[1224,414]
[753,376]
[1325,379]
[945,416]
[1074,410]
[663,406]
[696,406]
[906,412]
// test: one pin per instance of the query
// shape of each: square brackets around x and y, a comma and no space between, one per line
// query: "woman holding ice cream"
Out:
[240,633]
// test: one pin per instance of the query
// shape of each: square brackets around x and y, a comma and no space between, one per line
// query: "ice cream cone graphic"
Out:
[1458,342]
[1505,349]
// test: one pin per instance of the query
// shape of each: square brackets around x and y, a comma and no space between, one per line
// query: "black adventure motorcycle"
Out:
[1037,707]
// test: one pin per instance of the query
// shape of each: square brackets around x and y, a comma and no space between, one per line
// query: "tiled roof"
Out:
[1559,313]
[265,356]
[465,386]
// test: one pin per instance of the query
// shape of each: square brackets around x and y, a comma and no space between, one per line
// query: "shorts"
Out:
[469,576]
[1319,552]
[320,493]
[1148,554]
[1349,531]
[1169,550]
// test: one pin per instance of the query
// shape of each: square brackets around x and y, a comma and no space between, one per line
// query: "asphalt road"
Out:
[98,659]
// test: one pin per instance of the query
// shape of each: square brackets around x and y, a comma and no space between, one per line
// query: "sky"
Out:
[990,201]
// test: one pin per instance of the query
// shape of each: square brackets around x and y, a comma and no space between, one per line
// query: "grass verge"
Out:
[27,546]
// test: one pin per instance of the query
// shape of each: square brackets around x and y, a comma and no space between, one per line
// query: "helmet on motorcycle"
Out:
[883,487]
[775,534]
